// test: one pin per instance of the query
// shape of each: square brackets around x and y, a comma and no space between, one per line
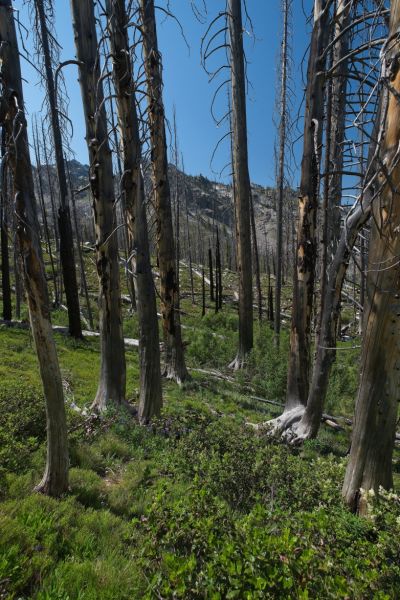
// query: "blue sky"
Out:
[186,83]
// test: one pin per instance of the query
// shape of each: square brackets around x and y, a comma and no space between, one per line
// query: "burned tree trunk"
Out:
[304,270]
[211,273]
[64,217]
[241,186]
[150,393]
[370,463]
[281,170]
[256,259]
[12,117]
[5,258]
[175,367]
[112,366]
[39,180]
[338,246]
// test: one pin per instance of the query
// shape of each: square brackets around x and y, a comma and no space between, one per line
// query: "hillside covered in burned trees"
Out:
[200,299]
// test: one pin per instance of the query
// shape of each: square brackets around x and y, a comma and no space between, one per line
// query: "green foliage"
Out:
[22,425]
[195,506]
[213,341]
[268,365]
[343,381]
[204,551]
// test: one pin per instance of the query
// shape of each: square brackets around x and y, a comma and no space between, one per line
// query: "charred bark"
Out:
[304,270]
[64,217]
[175,367]
[150,393]
[12,117]
[112,382]
[370,463]
[5,258]
[241,188]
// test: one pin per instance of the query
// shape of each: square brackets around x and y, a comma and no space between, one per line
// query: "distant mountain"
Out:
[209,202]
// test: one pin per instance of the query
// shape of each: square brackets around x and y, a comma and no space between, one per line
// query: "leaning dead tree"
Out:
[12,118]
[45,43]
[175,367]
[150,393]
[303,422]
[112,381]
[370,464]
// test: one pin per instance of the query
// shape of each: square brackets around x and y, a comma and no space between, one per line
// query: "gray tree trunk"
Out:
[281,170]
[304,270]
[175,367]
[370,463]
[12,117]
[112,382]
[336,248]
[5,257]
[150,393]
[64,217]
[241,188]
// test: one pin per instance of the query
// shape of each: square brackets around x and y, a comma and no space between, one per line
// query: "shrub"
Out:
[22,426]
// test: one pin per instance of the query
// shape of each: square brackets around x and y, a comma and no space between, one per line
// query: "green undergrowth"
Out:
[195,506]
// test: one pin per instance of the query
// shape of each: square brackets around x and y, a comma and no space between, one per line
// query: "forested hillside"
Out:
[199,375]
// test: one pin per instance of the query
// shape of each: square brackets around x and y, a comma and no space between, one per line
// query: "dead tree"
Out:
[242,190]
[12,118]
[304,270]
[150,393]
[256,259]
[112,381]
[5,258]
[211,273]
[50,183]
[64,216]
[39,179]
[175,367]
[189,246]
[286,7]
[370,463]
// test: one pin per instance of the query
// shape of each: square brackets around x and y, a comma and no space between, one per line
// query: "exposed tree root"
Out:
[280,425]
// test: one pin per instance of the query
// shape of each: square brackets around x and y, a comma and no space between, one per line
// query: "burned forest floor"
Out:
[196,505]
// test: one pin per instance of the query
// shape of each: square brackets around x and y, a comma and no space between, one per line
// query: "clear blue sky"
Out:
[186,83]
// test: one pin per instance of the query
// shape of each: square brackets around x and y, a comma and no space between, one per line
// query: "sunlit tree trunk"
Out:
[12,117]
[150,394]
[112,382]
[304,270]
[336,248]
[241,186]
[175,367]
[370,463]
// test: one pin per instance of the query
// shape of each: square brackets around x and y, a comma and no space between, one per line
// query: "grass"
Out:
[196,505]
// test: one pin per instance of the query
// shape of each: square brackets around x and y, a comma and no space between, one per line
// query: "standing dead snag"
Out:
[241,188]
[304,270]
[112,366]
[175,367]
[150,393]
[64,217]
[370,464]
[286,7]
[12,118]
[5,258]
